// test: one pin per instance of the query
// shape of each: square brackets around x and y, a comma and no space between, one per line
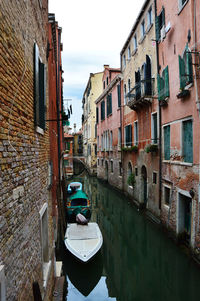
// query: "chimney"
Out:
[106,66]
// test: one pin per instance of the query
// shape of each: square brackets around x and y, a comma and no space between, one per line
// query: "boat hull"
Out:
[83,241]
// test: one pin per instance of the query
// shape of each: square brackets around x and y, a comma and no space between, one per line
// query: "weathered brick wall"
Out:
[24,153]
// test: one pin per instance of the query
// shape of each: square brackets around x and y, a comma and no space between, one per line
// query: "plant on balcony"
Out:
[130,149]
[151,148]
[131,180]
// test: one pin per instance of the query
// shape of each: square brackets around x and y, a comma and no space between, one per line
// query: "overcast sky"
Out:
[93,34]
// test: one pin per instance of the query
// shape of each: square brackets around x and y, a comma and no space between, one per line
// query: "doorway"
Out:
[184,216]
[144,185]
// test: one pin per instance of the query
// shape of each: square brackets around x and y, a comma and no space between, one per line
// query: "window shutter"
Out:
[36,84]
[166,82]
[111,103]
[119,95]
[163,17]
[167,142]
[42,95]
[182,73]
[157,23]
[160,87]
[188,141]
[147,69]
[189,65]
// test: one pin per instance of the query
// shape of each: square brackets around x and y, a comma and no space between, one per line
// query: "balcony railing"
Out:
[142,94]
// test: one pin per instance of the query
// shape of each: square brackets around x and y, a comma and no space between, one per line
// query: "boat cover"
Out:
[78,195]
[82,232]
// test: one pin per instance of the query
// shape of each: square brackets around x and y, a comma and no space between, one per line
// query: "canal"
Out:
[137,262]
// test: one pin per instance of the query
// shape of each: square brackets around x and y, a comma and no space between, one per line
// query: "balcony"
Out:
[141,95]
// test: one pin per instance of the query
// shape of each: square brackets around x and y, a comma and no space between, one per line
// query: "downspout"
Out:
[121,137]
[160,123]
[58,104]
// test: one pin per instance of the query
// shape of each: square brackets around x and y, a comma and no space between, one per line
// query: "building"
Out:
[109,124]
[54,52]
[91,93]
[68,154]
[27,256]
[178,93]
[140,155]
[78,144]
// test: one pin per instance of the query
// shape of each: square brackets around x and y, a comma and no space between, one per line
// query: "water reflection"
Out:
[140,262]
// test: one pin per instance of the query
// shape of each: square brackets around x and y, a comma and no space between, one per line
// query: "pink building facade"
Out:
[108,128]
[178,36]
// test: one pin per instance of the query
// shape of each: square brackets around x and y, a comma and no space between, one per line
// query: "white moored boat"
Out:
[83,241]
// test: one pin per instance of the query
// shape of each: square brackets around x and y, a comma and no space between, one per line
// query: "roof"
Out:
[109,87]
[78,195]
[135,25]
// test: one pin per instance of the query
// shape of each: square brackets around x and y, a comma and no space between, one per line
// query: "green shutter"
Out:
[119,95]
[167,142]
[166,82]
[157,23]
[182,73]
[188,141]
[189,65]
[163,17]
[111,103]
[158,86]
[36,84]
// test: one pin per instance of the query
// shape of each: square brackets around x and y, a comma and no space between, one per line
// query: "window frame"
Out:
[136,133]
[154,138]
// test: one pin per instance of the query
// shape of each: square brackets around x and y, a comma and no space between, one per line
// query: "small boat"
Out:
[83,241]
[74,186]
[78,207]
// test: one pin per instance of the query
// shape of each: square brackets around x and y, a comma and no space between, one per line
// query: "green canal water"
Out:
[137,262]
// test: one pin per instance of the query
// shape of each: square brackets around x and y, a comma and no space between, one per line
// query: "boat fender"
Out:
[80,219]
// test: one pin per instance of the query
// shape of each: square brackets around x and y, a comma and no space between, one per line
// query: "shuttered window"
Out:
[119,95]
[188,141]
[109,104]
[167,142]
[185,68]
[160,22]
[128,135]
[103,110]
[163,84]
[97,115]
[39,90]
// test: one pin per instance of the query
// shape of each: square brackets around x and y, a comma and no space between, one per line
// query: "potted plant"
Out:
[151,148]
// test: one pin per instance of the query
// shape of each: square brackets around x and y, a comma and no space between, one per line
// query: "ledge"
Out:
[177,163]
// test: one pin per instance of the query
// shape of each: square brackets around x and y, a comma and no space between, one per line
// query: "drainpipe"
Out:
[121,138]
[160,124]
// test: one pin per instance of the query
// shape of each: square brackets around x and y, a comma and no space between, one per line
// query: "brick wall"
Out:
[24,153]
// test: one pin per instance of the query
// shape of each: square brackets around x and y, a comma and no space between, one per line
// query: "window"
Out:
[124,93]
[150,19]
[98,162]
[166,195]
[160,24]
[109,104]
[182,3]
[154,128]
[119,137]
[185,68]
[154,177]
[167,142]
[124,60]
[103,110]
[136,171]
[187,143]
[135,42]
[142,29]
[111,139]
[163,85]
[129,52]
[107,80]
[39,90]
[111,166]
[102,144]
[136,140]
[104,84]
[119,95]
[128,135]
[129,85]
[129,169]
[97,115]
[101,162]
[98,143]
[2,284]
[45,243]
